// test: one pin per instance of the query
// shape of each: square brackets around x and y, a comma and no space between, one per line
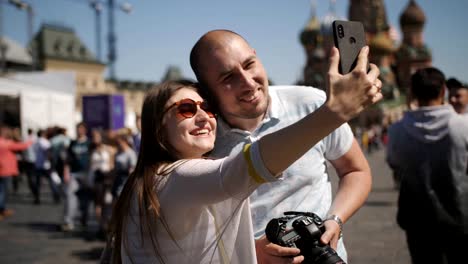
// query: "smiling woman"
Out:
[192,124]
[178,207]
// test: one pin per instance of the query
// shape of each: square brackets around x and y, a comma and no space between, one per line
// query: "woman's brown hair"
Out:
[153,157]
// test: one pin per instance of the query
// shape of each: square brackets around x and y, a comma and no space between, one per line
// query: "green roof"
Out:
[60,42]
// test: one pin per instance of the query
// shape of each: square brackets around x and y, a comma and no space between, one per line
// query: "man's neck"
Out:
[245,124]
[435,102]
[82,138]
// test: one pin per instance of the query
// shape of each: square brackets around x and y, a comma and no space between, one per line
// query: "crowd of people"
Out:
[88,170]
[220,157]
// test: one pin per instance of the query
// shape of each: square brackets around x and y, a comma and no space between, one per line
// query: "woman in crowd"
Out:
[101,163]
[124,162]
[179,207]
[8,165]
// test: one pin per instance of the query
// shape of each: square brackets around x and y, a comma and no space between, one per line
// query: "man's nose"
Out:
[247,82]
[453,99]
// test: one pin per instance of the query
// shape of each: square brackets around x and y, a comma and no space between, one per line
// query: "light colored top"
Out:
[205,204]
[305,185]
[125,162]
[100,161]
[41,153]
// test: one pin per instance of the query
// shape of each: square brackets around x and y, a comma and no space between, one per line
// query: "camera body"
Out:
[302,230]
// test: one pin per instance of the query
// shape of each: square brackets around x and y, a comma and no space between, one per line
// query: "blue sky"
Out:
[158,34]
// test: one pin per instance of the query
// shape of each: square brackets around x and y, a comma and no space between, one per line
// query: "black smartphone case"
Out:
[349,38]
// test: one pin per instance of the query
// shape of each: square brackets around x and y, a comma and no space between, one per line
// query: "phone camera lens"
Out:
[340,31]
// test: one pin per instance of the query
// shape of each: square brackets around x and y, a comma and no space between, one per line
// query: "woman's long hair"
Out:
[154,155]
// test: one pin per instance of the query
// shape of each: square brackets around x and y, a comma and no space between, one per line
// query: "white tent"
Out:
[41,107]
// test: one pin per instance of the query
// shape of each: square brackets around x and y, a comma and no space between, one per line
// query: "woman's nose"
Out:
[201,115]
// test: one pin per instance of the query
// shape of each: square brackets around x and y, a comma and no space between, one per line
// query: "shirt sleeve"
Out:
[207,181]
[18,146]
[338,142]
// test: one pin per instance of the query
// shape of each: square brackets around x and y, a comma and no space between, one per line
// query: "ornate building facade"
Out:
[413,53]
[59,49]
[396,61]
[317,40]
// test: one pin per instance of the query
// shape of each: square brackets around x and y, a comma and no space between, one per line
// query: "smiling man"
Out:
[236,81]
[458,95]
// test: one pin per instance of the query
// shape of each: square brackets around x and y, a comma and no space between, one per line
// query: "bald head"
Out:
[209,42]
[232,78]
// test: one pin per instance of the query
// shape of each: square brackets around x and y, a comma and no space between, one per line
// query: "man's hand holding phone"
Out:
[349,94]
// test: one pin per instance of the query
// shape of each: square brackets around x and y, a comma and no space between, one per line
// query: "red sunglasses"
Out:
[188,108]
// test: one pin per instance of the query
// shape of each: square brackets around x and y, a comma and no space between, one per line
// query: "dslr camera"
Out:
[302,230]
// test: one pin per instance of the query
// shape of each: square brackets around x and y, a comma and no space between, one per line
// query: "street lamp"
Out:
[3,48]
[20,4]
[112,38]
[97,5]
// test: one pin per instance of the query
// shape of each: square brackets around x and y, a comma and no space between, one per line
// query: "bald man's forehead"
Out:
[221,50]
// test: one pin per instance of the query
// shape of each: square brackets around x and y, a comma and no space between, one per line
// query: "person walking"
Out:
[75,180]
[42,168]
[124,162]
[8,165]
[428,149]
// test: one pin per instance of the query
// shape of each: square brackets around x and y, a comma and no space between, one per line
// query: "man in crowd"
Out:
[428,149]
[75,177]
[236,82]
[458,95]
[42,167]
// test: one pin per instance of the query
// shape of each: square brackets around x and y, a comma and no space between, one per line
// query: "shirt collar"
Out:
[275,107]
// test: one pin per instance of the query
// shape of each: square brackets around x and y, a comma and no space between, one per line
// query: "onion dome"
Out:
[311,32]
[412,16]
[326,26]
[381,44]
[371,13]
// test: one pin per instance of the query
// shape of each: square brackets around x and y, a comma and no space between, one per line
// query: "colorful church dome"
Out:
[413,15]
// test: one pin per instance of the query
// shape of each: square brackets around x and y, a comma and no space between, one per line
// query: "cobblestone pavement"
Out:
[31,235]
[372,235]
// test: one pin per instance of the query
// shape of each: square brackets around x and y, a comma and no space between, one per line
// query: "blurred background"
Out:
[63,62]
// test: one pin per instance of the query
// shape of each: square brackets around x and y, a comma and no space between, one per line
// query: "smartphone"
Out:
[349,38]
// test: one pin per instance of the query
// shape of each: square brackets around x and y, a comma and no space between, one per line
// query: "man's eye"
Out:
[227,78]
[249,65]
